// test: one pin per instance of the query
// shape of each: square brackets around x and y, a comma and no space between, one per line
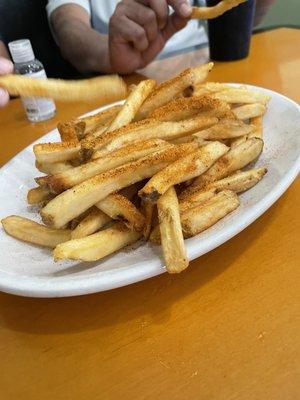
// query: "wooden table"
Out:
[227,328]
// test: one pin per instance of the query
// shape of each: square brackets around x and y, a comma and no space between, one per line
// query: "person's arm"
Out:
[262,7]
[85,48]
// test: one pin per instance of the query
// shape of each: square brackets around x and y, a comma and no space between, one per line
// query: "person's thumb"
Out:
[182,8]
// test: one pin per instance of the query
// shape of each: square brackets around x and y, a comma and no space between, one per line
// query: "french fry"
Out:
[67,131]
[257,123]
[216,11]
[183,169]
[170,89]
[148,210]
[104,89]
[172,240]
[188,107]
[101,119]
[71,203]
[237,182]
[59,182]
[238,157]
[244,96]
[209,88]
[197,219]
[196,198]
[98,245]
[249,111]
[150,130]
[225,129]
[56,152]
[32,232]
[38,195]
[118,207]
[132,104]
[94,221]
[53,168]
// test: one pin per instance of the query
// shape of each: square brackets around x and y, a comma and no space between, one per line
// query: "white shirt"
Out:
[101,11]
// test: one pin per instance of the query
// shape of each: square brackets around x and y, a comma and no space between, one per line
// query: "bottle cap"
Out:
[21,51]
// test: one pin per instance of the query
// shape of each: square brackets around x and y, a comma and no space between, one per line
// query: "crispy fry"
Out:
[56,152]
[133,103]
[237,182]
[38,195]
[187,167]
[98,245]
[94,221]
[32,232]
[98,120]
[244,96]
[148,210]
[197,219]
[76,200]
[225,129]
[195,199]
[67,131]
[238,157]
[59,182]
[53,168]
[172,240]
[170,89]
[257,123]
[104,89]
[209,88]
[249,111]
[188,107]
[118,207]
[150,129]
[216,11]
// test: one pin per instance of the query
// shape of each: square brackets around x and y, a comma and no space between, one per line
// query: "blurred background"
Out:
[283,12]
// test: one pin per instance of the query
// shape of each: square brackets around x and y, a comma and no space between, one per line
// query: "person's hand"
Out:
[6,67]
[139,29]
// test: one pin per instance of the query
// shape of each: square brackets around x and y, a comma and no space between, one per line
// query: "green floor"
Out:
[283,12]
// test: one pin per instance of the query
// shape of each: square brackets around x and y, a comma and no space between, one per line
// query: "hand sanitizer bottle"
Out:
[37,108]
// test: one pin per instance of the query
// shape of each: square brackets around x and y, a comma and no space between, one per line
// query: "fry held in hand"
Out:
[76,200]
[171,233]
[216,11]
[98,245]
[104,89]
[32,232]
[183,169]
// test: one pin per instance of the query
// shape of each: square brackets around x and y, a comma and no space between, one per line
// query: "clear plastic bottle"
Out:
[37,108]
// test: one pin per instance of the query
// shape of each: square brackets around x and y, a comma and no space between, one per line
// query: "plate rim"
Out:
[86,284]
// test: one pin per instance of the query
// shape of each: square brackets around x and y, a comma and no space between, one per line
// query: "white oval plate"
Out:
[28,270]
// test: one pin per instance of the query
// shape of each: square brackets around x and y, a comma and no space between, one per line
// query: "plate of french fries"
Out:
[142,186]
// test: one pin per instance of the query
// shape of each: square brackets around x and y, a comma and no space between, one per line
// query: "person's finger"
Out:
[143,16]
[4,97]
[6,66]
[160,7]
[126,30]
[175,24]
[182,8]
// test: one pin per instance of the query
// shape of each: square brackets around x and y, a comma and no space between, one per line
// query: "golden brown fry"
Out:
[53,168]
[101,119]
[98,245]
[216,11]
[150,129]
[172,241]
[76,200]
[243,96]
[67,131]
[104,89]
[148,210]
[249,111]
[132,104]
[56,152]
[238,157]
[257,123]
[183,169]
[118,207]
[59,182]
[94,221]
[209,88]
[225,129]
[188,107]
[38,195]
[195,199]
[237,182]
[32,232]
[170,89]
